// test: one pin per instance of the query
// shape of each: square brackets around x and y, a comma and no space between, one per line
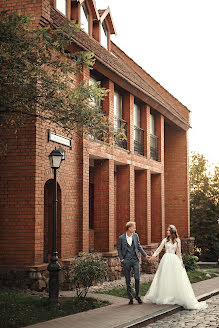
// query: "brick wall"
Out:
[176,180]
[17,195]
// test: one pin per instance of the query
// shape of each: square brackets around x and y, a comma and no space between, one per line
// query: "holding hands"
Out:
[150,258]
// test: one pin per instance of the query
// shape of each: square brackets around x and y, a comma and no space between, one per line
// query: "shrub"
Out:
[190,262]
[87,269]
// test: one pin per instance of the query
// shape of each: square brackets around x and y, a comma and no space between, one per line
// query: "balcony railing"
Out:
[138,140]
[120,127]
[154,147]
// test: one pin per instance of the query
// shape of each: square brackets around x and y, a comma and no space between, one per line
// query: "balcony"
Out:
[154,147]
[138,140]
[120,127]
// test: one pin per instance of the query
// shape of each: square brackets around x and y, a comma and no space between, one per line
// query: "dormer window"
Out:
[85,17]
[104,35]
[61,5]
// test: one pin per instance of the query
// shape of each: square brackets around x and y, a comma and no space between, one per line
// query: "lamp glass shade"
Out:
[55,159]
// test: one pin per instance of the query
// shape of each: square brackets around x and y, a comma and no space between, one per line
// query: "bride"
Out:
[171,284]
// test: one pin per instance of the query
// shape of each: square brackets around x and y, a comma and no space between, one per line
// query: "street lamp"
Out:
[54,267]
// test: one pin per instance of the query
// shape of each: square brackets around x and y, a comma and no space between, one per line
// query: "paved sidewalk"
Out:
[121,315]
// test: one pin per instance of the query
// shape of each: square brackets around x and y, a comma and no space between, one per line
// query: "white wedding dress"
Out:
[171,284]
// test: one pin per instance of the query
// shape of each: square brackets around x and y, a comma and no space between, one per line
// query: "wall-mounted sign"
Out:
[60,139]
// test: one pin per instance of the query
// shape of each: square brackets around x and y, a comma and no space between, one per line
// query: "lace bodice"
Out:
[170,247]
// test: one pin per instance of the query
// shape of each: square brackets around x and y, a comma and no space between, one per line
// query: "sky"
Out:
[177,43]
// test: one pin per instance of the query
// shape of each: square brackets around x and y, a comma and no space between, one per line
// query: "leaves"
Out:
[39,78]
[87,269]
[204,206]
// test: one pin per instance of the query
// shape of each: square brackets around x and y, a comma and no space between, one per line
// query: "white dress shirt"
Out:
[129,239]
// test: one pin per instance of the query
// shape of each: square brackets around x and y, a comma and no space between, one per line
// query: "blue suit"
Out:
[129,258]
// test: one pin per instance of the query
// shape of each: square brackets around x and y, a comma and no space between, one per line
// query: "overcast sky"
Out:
[177,43]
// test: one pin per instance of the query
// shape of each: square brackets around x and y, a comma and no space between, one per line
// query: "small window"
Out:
[85,17]
[104,35]
[62,6]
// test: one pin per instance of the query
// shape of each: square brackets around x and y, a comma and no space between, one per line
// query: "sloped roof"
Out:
[131,75]
[106,13]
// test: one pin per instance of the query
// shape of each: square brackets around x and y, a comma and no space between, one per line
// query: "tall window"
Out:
[94,102]
[137,116]
[154,138]
[119,123]
[138,132]
[85,17]
[104,35]
[118,105]
[152,124]
[62,6]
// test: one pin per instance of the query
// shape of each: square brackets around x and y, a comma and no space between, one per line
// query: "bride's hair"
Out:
[173,233]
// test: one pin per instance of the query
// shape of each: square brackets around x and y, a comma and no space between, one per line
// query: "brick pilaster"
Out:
[104,205]
[125,196]
[128,108]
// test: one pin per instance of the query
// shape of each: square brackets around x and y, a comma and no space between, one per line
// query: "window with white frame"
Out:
[61,5]
[104,35]
[85,17]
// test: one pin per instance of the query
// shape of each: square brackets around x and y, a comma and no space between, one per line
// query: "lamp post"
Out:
[54,267]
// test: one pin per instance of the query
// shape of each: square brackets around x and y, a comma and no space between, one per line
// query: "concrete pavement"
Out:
[121,315]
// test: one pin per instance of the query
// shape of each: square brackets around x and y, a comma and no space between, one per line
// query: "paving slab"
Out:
[121,315]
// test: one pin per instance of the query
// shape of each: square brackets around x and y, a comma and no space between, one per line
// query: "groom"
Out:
[128,247]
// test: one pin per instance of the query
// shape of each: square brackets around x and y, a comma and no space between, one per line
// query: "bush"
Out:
[87,269]
[190,262]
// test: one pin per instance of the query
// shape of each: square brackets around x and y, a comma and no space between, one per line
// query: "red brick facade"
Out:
[127,185]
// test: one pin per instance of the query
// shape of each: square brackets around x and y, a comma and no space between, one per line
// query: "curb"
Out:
[151,318]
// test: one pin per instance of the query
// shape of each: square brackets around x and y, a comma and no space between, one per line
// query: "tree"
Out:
[38,73]
[204,207]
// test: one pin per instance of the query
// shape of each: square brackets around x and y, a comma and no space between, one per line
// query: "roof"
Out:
[162,101]
[106,14]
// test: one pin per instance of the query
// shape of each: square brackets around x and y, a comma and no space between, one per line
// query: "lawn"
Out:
[18,309]
[194,276]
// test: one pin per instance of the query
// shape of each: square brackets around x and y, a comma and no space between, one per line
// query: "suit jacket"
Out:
[123,245]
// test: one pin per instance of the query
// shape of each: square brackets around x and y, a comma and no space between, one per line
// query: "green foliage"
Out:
[38,74]
[204,207]
[87,269]
[190,262]
[19,309]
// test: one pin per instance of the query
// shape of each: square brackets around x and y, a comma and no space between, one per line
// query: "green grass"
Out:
[18,309]
[194,276]
[215,266]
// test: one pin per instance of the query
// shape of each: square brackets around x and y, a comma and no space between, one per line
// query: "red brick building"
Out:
[100,186]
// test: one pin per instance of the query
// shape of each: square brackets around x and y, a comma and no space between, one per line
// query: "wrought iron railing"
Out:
[154,147]
[138,140]
[120,127]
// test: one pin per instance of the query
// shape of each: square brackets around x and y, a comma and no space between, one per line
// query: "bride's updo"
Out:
[173,233]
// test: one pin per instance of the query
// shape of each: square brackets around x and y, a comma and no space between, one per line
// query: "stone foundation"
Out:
[114,265]
[188,245]
[37,277]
